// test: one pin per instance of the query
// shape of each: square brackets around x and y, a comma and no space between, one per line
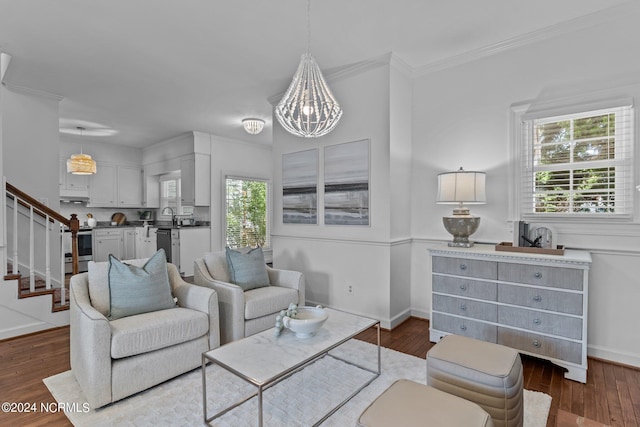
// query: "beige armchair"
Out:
[113,359]
[244,313]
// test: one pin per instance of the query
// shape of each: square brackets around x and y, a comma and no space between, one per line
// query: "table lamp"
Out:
[458,188]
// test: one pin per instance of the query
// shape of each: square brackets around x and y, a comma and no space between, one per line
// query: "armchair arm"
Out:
[231,302]
[288,279]
[197,298]
[90,344]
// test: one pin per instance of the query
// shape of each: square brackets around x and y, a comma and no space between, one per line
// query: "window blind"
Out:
[578,164]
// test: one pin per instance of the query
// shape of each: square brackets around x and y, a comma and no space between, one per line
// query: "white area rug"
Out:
[299,400]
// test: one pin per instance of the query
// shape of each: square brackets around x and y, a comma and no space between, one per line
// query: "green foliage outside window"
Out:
[561,184]
[246,213]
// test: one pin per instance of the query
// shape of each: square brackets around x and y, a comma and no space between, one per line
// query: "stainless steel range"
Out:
[85,250]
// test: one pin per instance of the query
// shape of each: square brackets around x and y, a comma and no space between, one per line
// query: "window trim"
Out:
[528,111]
[223,205]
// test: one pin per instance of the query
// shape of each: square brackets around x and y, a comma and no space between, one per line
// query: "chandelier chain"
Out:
[308,26]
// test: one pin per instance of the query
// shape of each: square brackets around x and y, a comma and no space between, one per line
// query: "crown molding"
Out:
[5,59]
[546,33]
[31,91]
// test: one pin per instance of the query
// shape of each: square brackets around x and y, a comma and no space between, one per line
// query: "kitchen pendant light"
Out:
[308,108]
[81,164]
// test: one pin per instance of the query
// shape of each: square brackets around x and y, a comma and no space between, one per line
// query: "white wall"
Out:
[461,118]
[29,144]
[366,259]
[233,158]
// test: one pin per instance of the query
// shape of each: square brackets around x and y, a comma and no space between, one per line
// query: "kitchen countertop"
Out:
[132,224]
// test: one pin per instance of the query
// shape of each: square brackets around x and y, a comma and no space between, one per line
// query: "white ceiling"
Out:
[148,70]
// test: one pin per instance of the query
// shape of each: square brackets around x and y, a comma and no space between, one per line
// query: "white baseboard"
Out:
[613,356]
[396,320]
[24,329]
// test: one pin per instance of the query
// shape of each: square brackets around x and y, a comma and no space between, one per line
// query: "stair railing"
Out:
[51,219]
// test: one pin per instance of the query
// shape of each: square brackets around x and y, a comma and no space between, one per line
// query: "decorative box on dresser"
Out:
[532,302]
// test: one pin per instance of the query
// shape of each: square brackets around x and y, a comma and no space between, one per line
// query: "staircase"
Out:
[24,290]
[31,296]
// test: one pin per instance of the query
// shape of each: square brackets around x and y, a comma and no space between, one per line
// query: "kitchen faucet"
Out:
[173,216]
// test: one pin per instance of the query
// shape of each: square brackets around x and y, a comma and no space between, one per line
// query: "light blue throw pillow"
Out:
[136,290]
[247,270]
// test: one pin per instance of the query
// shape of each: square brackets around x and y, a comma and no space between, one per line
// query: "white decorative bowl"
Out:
[307,322]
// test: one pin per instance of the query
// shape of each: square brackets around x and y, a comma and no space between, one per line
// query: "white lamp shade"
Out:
[461,187]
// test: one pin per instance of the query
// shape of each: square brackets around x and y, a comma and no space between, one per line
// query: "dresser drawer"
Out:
[542,322]
[465,287]
[540,344]
[541,299]
[464,307]
[557,277]
[466,327]
[465,267]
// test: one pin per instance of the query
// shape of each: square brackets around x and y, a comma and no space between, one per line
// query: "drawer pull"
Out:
[463,327]
[537,298]
[463,287]
[463,267]
[537,275]
[536,343]
[463,307]
[537,321]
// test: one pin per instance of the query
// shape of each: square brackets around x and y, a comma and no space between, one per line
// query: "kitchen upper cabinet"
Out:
[129,186]
[102,186]
[72,185]
[195,176]
[116,186]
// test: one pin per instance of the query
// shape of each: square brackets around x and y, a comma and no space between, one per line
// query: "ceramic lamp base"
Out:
[461,227]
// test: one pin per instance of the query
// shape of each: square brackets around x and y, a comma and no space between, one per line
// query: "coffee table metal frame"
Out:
[264,385]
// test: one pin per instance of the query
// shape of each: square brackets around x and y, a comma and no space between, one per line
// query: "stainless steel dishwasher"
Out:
[169,240]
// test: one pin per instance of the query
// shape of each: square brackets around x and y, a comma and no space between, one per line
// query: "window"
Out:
[577,164]
[170,194]
[247,208]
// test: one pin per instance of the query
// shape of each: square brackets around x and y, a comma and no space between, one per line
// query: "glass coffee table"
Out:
[264,360]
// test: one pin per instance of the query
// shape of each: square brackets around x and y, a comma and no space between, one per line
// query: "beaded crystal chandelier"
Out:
[308,108]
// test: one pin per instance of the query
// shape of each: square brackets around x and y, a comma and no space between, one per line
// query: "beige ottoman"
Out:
[485,373]
[407,403]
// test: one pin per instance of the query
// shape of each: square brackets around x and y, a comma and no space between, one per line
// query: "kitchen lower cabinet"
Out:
[146,241]
[129,243]
[534,303]
[107,241]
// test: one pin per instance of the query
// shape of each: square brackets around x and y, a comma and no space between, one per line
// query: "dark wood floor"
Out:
[611,395]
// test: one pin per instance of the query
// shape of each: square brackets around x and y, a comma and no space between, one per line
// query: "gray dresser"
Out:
[534,303]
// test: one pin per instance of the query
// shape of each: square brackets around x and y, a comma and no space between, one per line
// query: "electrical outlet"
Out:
[350,289]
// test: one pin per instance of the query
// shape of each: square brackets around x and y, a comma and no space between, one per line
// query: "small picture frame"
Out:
[546,235]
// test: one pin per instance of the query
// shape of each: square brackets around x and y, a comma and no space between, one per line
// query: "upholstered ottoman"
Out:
[482,372]
[407,403]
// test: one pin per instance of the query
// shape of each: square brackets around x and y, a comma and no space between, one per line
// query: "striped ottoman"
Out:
[410,404]
[482,372]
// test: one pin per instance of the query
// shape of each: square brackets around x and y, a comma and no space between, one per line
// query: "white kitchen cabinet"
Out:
[195,178]
[534,303]
[129,243]
[194,243]
[146,241]
[102,186]
[116,186]
[107,241]
[72,186]
[129,186]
